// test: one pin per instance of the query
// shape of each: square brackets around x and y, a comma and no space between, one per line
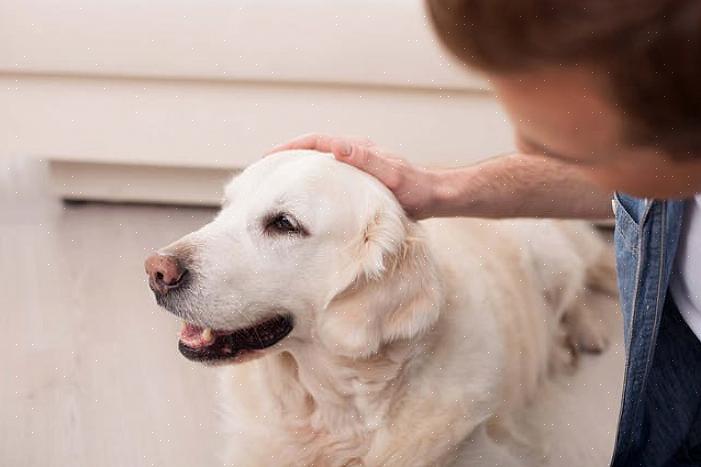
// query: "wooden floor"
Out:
[90,372]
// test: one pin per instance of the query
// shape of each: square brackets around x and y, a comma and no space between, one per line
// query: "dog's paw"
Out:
[563,358]
[589,340]
[586,329]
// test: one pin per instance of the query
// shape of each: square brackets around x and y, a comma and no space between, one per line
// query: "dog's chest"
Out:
[292,426]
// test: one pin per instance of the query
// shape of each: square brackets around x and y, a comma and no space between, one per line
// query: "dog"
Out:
[350,335]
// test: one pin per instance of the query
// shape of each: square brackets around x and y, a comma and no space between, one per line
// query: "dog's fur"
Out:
[414,342]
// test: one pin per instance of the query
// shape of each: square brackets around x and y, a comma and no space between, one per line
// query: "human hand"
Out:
[414,187]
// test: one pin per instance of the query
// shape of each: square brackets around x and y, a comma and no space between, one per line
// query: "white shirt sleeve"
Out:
[685,284]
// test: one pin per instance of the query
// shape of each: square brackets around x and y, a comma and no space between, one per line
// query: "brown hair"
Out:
[650,50]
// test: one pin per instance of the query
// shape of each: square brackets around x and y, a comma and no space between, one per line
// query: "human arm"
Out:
[514,185]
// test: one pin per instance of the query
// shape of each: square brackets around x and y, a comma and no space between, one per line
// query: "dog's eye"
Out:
[283,224]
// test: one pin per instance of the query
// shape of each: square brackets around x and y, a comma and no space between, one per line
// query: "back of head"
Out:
[649,51]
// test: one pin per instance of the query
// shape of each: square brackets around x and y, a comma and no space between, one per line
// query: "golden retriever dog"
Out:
[348,334]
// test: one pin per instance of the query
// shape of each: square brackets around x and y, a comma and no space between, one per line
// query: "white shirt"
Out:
[685,284]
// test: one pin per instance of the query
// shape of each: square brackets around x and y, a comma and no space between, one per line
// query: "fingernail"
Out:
[345,150]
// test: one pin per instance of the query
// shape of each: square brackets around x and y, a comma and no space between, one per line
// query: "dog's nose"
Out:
[165,272]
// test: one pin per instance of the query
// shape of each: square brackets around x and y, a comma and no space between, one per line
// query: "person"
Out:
[605,98]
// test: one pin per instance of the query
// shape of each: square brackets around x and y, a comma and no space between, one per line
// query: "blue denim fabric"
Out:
[655,426]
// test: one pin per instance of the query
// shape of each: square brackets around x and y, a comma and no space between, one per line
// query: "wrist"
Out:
[441,192]
[446,194]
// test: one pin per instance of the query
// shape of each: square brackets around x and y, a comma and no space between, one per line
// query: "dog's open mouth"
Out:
[204,344]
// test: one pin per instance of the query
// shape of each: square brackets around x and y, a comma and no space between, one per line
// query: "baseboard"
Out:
[89,181]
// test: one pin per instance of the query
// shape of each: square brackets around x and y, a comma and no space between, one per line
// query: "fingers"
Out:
[394,172]
[318,142]
[313,141]
[370,160]
[359,152]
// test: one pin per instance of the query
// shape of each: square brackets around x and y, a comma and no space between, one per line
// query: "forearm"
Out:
[518,185]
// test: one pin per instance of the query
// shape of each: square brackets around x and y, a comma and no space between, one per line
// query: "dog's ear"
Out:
[229,187]
[393,293]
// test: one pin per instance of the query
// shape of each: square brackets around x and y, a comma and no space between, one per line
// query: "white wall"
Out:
[212,85]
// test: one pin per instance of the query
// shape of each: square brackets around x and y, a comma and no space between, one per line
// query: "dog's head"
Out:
[305,250]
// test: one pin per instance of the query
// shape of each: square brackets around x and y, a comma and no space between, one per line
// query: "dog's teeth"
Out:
[207,335]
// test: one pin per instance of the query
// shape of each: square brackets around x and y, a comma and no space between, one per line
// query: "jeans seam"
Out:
[651,349]
[629,332]
[660,271]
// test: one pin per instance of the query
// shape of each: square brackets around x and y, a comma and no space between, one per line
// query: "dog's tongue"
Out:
[196,337]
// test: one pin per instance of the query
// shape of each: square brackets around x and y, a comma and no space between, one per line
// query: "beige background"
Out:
[214,84]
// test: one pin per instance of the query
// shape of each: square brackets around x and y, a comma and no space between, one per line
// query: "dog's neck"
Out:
[325,393]
[341,385]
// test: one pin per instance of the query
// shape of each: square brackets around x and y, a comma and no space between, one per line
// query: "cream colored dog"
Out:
[376,340]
